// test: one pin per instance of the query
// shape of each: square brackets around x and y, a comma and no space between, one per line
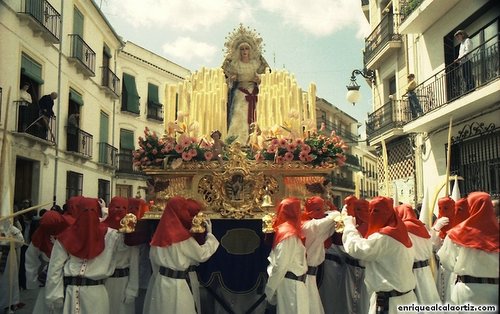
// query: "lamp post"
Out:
[353,95]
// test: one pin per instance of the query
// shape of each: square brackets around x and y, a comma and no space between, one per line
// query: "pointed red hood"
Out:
[174,223]
[116,211]
[52,223]
[287,221]
[409,218]
[446,207]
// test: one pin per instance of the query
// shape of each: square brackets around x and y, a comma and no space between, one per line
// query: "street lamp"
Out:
[353,94]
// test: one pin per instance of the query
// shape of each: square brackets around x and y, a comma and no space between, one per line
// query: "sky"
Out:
[319,41]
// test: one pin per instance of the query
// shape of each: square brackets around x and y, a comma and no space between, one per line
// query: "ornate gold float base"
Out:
[238,189]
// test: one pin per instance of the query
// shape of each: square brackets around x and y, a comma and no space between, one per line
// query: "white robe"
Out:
[81,299]
[119,288]
[472,262]
[425,290]
[290,295]
[316,232]
[170,295]
[36,261]
[445,279]
[388,264]
[10,284]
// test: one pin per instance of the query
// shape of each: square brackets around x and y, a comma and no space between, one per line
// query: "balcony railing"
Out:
[155,111]
[457,80]
[380,36]
[345,135]
[45,15]
[30,122]
[83,53]
[342,182]
[391,115]
[352,161]
[126,162]
[79,141]
[110,80]
[107,154]
[407,7]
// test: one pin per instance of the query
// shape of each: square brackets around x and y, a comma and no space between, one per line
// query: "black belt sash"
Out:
[121,272]
[291,275]
[81,281]
[348,260]
[176,274]
[383,299]
[471,279]
[191,268]
[312,270]
[420,264]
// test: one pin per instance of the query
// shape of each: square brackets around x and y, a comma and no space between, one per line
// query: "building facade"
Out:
[69,47]
[417,37]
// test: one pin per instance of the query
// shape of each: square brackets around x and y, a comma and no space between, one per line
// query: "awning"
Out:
[131,97]
[75,97]
[31,69]
[126,139]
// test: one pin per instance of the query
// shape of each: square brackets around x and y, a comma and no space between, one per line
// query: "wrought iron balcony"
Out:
[79,141]
[82,54]
[155,111]
[42,18]
[107,154]
[30,122]
[342,182]
[126,162]
[110,81]
[347,136]
[458,80]
[407,7]
[391,115]
[382,39]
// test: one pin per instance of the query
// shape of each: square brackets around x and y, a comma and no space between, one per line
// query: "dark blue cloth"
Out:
[239,272]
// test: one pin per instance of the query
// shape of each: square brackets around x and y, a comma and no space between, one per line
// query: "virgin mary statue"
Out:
[242,66]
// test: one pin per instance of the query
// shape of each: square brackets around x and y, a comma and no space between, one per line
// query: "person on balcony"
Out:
[464,58]
[46,105]
[416,109]
[72,131]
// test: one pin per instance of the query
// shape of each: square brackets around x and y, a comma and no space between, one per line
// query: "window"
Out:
[130,97]
[103,190]
[74,184]
[126,139]
[154,105]
[392,86]
[124,190]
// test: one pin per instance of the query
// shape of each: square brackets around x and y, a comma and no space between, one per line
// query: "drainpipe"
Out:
[113,119]
[59,74]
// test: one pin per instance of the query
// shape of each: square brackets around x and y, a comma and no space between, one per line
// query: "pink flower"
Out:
[209,156]
[168,147]
[288,156]
[271,149]
[309,158]
[192,152]
[274,142]
[259,156]
[154,151]
[291,147]
[306,148]
[186,156]
[299,141]
[303,155]
[179,148]
[148,145]
[283,143]
[278,160]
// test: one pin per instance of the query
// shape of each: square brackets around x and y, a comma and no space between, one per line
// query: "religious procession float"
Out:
[240,138]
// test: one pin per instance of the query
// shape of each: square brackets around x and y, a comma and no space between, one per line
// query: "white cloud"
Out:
[187,49]
[319,17]
[176,14]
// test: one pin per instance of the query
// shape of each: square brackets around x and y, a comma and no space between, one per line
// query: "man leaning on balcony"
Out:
[416,109]
[464,58]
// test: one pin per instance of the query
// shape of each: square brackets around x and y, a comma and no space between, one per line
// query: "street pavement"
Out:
[28,297]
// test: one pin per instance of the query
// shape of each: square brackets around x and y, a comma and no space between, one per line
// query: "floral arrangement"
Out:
[315,148]
[153,151]
[181,145]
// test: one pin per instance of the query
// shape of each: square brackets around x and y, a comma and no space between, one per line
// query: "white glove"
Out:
[333,214]
[58,304]
[208,225]
[349,220]
[440,223]
[128,299]
[344,210]
[102,203]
